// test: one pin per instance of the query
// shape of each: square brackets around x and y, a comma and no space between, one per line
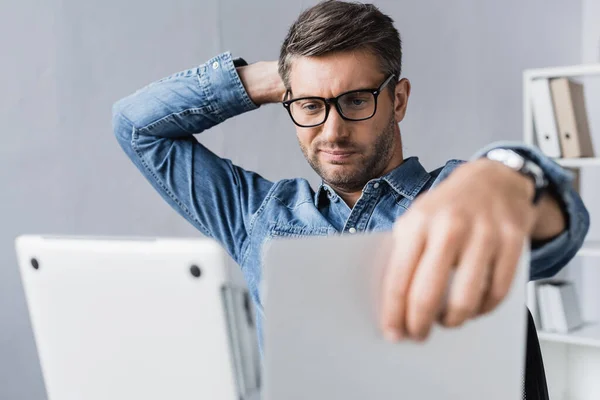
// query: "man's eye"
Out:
[356,101]
[311,106]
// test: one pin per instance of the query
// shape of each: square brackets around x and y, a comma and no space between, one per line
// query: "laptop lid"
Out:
[148,319]
[323,341]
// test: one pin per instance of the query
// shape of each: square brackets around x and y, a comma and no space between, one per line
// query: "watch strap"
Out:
[239,62]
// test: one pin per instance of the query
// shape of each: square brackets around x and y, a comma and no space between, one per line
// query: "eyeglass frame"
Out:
[328,101]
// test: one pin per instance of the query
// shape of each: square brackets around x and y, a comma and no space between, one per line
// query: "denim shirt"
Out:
[242,210]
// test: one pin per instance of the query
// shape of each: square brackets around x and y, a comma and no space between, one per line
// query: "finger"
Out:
[507,259]
[472,277]
[428,286]
[409,241]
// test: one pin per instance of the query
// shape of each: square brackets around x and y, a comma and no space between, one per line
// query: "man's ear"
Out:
[401,95]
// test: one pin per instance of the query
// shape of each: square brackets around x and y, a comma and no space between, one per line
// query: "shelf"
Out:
[589,249]
[578,162]
[588,335]
[567,71]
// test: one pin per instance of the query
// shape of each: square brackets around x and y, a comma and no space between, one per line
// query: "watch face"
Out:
[514,161]
[507,157]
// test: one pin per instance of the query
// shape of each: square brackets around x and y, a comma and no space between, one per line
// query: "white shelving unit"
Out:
[579,162]
[588,335]
[553,72]
[568,355]
[590,249]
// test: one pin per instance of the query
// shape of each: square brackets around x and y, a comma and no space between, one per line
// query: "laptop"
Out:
[148,318]
[323,341]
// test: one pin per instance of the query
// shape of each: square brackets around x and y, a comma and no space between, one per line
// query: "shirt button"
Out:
[215,65]
[376,185]
[352,230]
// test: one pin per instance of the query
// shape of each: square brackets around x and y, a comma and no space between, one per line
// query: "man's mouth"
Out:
[337,155]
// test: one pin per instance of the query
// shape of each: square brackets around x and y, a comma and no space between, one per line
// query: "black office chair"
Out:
[534,386]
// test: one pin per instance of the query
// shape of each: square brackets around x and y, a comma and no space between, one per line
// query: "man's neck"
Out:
[350,198]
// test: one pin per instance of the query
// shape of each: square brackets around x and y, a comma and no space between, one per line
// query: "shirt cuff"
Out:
[224,89]
[552,255]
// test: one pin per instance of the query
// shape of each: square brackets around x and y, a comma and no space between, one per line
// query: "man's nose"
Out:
[335,126]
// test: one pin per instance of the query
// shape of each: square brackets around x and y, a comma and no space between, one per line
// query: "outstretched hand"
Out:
[473,224]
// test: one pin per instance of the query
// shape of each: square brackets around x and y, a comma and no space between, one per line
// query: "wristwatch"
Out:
[519,163]
[239,62]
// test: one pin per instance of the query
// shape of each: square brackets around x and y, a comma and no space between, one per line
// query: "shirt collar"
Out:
[324,191]
[407,179]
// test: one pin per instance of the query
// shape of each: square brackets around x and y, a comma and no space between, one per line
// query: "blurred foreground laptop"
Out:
[149,319]
[322,336]
[170,318]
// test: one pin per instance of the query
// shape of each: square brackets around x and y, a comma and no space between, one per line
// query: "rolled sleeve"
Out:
[550,257]
[187,102]
[156,125]
[225,91]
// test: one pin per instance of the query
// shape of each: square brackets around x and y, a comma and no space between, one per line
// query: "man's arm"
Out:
[561,220]
[262,82]
[473,227]
[550,219]
[155,127]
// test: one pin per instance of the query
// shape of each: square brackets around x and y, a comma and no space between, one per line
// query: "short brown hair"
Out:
[334,26]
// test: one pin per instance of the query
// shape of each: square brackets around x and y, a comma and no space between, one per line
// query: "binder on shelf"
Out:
[558,306]
[571,118]
[568,317]
[544,121]
[544,308]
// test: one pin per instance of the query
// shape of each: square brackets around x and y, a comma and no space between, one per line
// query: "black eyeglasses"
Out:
[356,105]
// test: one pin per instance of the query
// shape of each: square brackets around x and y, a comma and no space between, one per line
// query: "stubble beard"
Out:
[365,166]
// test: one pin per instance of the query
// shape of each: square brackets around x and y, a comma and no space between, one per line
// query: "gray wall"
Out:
[66,61]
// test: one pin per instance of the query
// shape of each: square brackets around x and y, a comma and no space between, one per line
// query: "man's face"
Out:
[347,154]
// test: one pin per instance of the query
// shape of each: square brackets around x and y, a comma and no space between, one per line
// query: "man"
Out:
[339,76]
